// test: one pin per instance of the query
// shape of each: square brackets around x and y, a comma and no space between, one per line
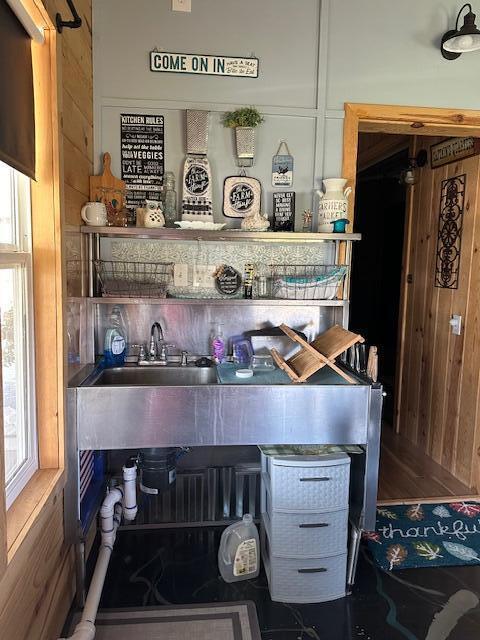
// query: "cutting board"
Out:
[107,188]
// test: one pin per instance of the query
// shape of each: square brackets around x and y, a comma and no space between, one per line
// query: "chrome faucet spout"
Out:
[155,342]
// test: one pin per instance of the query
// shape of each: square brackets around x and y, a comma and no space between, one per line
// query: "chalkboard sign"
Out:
[142,156]
[241,197]
[227,280]
[284,211]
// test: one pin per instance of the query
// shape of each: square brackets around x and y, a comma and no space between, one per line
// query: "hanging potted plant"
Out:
[244,121]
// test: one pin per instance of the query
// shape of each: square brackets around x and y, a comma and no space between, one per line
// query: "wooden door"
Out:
[437,398]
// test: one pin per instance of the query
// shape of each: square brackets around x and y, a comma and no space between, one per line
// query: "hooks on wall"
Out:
[71,24]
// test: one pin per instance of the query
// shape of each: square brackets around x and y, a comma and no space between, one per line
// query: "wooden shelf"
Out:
[229,235]
[277,302]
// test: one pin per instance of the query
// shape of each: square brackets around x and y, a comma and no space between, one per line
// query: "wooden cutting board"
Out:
[107,188]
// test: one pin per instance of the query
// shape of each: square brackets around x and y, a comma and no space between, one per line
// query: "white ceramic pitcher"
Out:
[333,203]
[94,214]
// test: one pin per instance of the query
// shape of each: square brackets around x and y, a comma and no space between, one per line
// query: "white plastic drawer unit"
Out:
[307,483]
[304,580]
[309,535]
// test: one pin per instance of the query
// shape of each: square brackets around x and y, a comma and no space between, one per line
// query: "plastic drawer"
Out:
[311,490]
[307,580]
[309,535]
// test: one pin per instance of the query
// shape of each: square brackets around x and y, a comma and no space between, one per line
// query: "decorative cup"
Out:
[94,214]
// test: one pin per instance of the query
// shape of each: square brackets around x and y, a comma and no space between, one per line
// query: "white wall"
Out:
[314,57]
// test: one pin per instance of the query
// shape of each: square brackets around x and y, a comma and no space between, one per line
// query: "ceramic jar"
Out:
[333,205]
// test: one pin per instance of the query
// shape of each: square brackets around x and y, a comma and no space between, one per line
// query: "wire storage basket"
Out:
[307,281]
[134,279]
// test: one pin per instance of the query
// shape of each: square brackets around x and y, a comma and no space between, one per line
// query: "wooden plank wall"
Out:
[37,588]
[76,94]
[438,408]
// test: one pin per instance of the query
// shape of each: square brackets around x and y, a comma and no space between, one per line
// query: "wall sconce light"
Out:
[458,41]
[410,176]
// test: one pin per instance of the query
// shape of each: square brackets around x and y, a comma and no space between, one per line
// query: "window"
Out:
[16,331]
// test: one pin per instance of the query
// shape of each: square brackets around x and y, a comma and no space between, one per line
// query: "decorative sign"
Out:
[227,280]
[450,232]
[143,157]
[282,167]
[203,65]
[197,188]
[284,211]
[241,197]
[452,150]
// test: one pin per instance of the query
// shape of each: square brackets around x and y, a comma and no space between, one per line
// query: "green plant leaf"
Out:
[244,117]
[386,513]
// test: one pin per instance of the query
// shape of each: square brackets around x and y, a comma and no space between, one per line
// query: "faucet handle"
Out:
[184,360]
[142,353]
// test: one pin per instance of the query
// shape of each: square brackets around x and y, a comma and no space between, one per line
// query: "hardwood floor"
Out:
[408,475]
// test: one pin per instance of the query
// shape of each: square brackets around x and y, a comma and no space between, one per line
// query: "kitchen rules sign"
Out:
[143,157]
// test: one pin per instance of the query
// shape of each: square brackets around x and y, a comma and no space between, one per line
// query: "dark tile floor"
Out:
[178,566]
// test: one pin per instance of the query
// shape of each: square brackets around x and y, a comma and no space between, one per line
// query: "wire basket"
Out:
[307,281]
[134,279]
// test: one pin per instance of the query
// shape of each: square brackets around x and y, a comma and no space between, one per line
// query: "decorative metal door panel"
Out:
[450,232]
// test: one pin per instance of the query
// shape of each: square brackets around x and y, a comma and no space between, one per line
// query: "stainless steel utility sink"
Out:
[169,376]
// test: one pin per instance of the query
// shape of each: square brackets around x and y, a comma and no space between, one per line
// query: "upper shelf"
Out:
[215,236]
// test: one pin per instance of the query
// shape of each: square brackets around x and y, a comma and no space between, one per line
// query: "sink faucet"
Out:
[153,350]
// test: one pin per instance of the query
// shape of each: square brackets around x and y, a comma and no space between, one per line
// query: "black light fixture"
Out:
[458,41]
[410,176]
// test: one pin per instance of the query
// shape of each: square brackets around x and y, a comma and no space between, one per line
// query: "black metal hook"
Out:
[71,24]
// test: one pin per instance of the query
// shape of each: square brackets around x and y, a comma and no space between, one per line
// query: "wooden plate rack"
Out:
[320,353]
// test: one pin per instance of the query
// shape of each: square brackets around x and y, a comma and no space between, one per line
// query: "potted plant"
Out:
[244,121]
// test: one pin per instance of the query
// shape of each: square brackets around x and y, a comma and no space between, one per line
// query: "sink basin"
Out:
[154,376]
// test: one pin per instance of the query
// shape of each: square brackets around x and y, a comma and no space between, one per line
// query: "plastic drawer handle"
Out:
[320,479]
[319,570]
[313,525]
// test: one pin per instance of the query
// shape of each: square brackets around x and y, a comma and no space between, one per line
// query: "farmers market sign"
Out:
[203,65]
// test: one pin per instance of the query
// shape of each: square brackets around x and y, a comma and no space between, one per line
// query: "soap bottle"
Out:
[218,344]
[115,347]
[239,551]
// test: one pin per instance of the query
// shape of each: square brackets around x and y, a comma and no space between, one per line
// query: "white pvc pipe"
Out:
[117,501]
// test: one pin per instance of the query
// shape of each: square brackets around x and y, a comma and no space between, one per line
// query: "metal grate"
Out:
[211,495]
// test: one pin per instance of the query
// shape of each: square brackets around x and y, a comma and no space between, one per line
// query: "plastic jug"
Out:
[239,551]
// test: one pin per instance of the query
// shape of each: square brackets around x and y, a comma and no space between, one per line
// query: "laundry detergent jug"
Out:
[239,551]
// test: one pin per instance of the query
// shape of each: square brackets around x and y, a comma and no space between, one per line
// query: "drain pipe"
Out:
[118,501]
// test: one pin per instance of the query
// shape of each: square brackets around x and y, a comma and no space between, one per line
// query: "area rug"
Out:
[223,621]
[426,535]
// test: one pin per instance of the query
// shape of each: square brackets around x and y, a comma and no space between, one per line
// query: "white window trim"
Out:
[13,255]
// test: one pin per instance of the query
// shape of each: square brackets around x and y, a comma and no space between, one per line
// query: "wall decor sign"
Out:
[450,232]
[241,197]
[227,280]
[142,146]
[203,64]
[284,210]
[452,150]
[282,167]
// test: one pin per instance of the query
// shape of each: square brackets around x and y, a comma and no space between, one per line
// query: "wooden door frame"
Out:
[414,121]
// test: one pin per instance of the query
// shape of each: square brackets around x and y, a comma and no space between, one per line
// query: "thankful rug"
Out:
[426,535]
[218,621]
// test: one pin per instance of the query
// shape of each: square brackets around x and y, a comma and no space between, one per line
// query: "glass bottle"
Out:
[217,343]
[169,199]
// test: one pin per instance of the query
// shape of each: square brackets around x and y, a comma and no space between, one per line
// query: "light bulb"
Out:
[465,42]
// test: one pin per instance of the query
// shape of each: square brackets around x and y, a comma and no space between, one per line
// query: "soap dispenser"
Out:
[115,347]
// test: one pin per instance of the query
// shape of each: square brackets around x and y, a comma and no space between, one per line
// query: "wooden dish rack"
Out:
[320,353]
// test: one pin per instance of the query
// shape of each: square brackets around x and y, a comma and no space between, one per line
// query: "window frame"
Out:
[18,254]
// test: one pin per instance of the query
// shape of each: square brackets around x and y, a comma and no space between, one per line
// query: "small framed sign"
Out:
[241,197]
[282,167]
[204,65]
[284,211]
[453,149]
[227,280]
